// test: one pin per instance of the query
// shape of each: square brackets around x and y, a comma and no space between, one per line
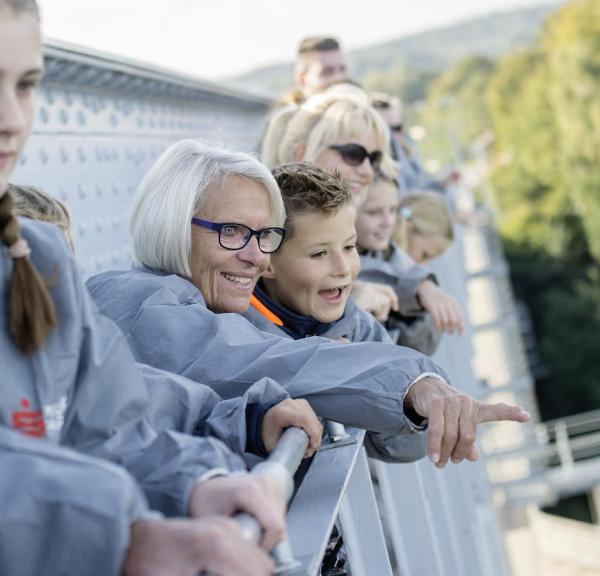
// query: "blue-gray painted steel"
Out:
[100,125]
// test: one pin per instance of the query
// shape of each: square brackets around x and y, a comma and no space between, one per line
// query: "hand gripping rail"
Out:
[282,463]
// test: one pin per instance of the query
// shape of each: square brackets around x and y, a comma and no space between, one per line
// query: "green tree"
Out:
[455,113]
[571,41]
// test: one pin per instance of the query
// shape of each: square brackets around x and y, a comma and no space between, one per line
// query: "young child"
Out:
[424,229]
[424,309]
[306,289]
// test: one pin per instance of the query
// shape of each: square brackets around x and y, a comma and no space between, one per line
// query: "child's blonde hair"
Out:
[34,203]
[426,214]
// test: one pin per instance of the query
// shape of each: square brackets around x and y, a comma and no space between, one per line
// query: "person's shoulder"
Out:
[46,242]
[142,283]
[357,315]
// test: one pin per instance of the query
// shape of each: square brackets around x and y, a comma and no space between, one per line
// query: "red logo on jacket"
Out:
[29,422]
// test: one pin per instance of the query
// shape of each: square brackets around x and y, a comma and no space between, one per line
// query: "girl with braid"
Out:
[83,469]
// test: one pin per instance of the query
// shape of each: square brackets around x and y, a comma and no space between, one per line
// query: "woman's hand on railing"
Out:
[260,496]
[443,308]
[291,413]
[453,419]
[181,547]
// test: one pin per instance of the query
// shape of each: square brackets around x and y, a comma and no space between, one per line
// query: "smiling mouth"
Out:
[242,281]
[332,295]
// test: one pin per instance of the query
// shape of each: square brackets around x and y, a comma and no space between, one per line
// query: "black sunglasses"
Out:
[396,127]
[355,154]
[233,236]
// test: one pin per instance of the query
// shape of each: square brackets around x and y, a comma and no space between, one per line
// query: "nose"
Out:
[388,220]
[341,266]
[252,254]
[12,118]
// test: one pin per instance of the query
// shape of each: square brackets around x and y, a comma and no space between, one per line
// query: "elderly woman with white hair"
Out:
[204,222]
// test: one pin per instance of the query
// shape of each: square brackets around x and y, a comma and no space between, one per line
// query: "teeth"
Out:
[238,279]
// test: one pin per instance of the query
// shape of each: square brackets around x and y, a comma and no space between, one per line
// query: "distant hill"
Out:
[427,54]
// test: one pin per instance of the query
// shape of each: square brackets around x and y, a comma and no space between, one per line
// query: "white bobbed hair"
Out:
[175,189]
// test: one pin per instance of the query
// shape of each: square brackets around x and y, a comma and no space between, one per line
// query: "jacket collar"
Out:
[295,325]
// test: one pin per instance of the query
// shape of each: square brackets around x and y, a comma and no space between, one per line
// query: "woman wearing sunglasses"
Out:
[341,131]
[338,130]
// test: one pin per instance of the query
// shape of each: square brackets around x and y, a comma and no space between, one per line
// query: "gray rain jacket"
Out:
[167,324]
[412,326]
[84,390]
[62,512]
[356,325]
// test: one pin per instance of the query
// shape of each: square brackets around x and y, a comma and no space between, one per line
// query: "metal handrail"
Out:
[282,464]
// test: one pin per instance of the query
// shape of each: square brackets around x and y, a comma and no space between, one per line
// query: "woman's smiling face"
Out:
[225,277]
[357,178]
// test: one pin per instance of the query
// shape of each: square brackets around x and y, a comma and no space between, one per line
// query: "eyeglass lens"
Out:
[236,236]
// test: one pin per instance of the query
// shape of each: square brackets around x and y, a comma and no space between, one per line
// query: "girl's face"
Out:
[422,249]
[357,178]
[21,67]
[377,216]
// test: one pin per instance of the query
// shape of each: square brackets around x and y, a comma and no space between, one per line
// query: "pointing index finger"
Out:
[501,412]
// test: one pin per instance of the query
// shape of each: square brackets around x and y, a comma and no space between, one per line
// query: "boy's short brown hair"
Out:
[318,44]
[308,188]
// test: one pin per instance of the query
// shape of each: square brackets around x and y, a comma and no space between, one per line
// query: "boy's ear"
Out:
[269,272]
[299,152]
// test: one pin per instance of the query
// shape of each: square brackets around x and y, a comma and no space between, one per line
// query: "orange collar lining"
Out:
[258,305]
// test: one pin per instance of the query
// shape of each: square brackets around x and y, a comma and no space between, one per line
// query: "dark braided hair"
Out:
[32,313]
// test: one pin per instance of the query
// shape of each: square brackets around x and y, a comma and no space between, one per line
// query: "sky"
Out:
[217,39]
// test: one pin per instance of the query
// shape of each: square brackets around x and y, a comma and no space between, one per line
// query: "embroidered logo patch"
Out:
[29,422]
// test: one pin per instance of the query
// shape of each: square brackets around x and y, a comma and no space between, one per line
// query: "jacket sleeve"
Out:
[356,384]
[62,512]
[366,327]
[396,448]
[417,332]
[177,403]
[107,418]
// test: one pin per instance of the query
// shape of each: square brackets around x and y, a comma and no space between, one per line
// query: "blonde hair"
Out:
[341,110]
[426,214]
[34,203]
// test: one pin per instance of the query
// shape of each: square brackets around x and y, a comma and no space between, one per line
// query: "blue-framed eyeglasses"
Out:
[234,236]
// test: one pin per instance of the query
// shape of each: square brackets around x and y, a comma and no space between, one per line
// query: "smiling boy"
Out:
[305,291]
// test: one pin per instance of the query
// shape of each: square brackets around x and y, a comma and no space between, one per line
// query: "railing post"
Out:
[562,446]
[361,525]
